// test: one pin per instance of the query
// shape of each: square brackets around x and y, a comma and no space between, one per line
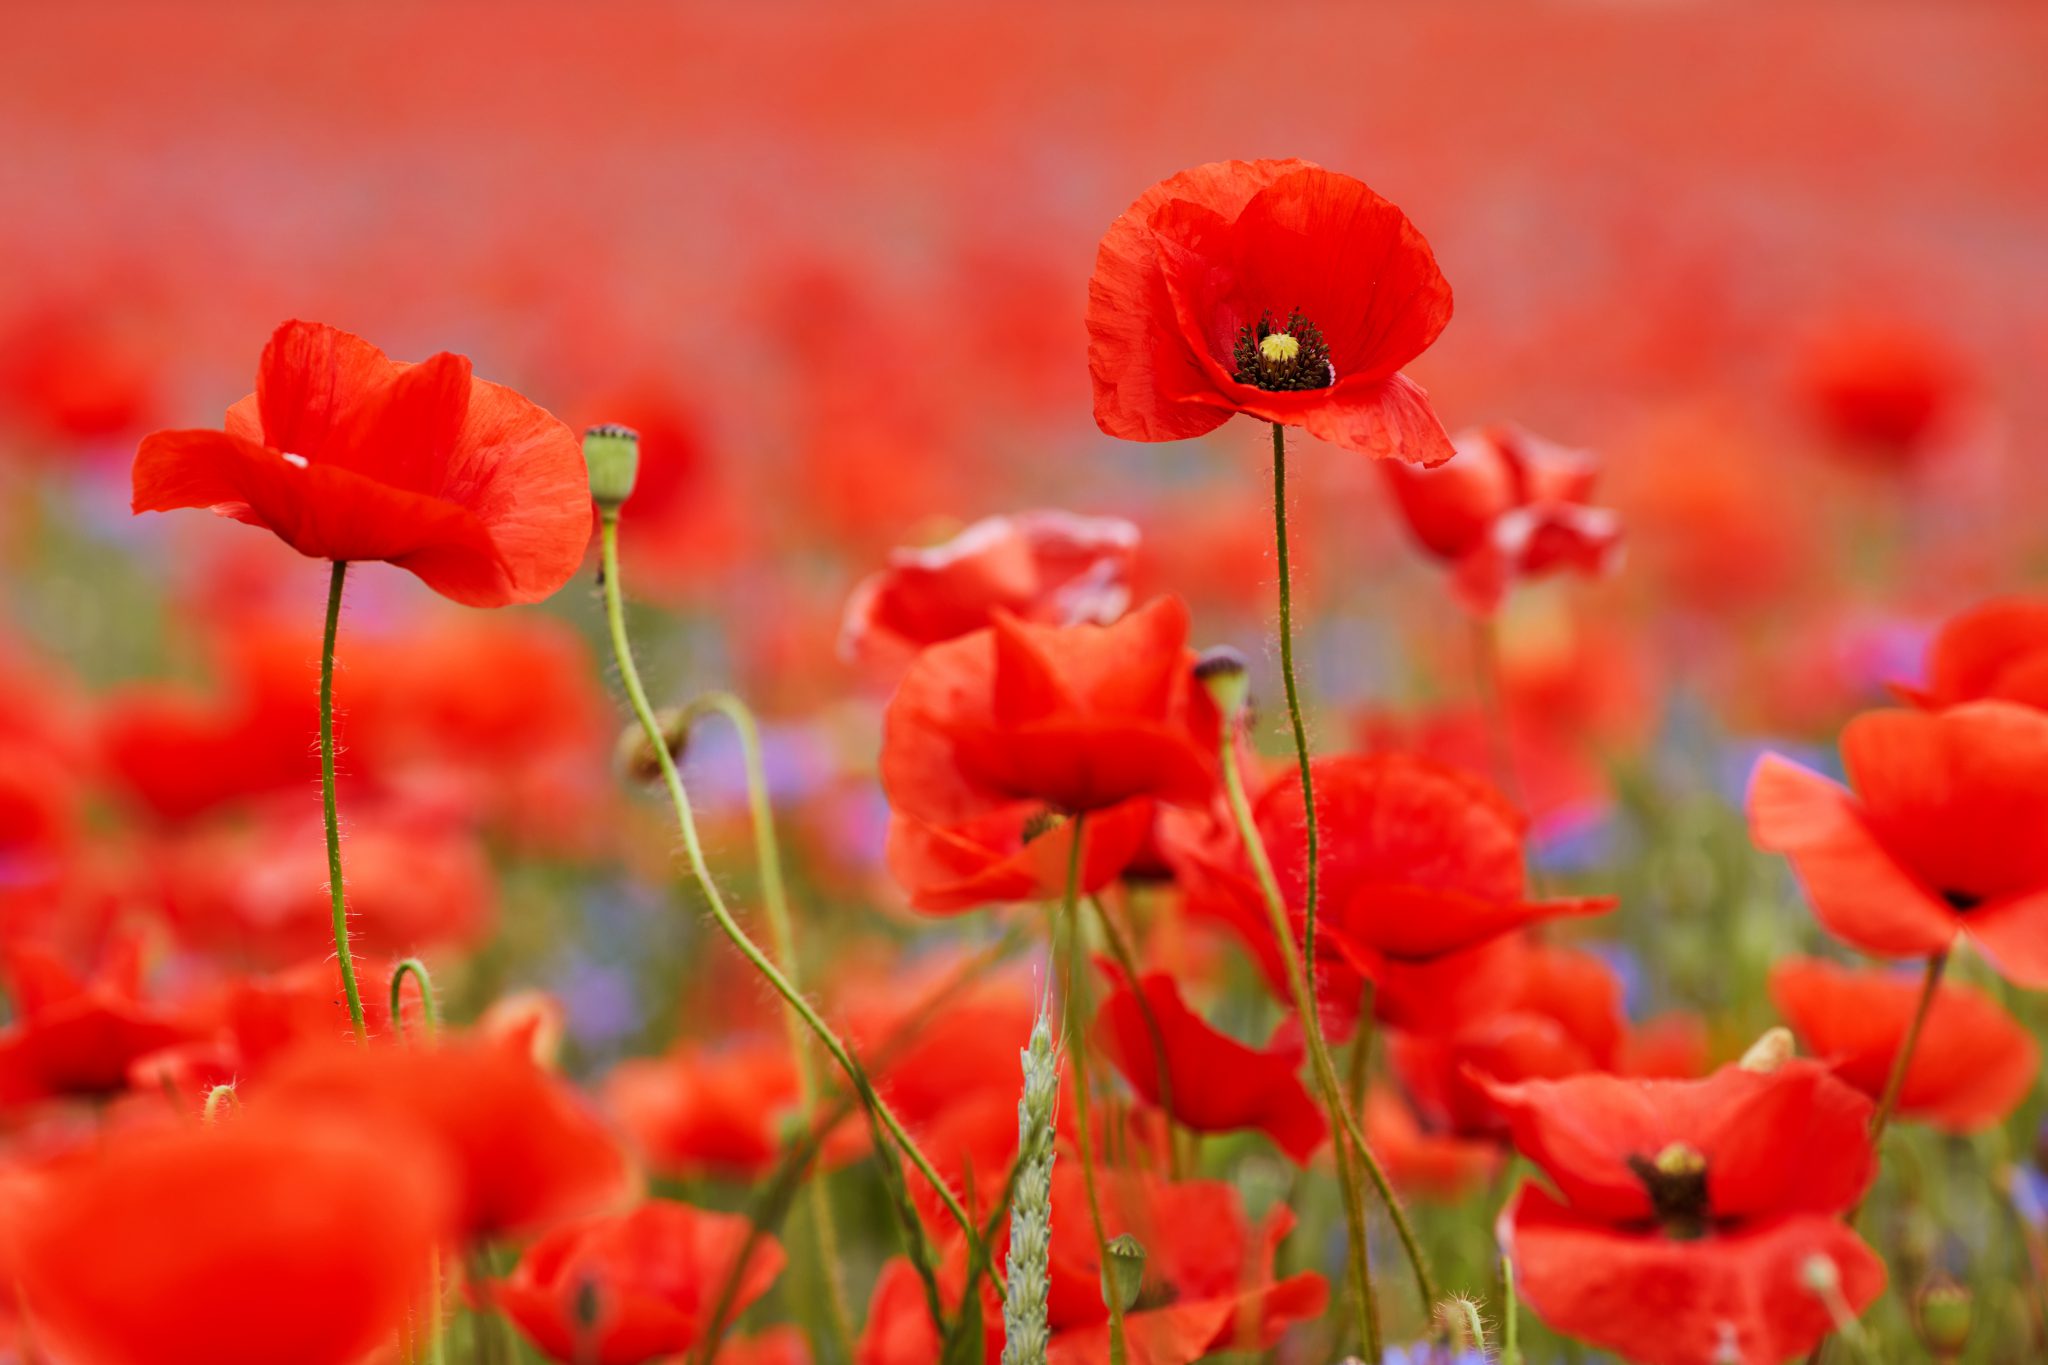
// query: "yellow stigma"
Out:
[1680,1159]
[1279,348]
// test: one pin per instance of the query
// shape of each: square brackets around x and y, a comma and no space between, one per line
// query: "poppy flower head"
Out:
[345,454]
[1074,718]
[1944,831]
[1272,288]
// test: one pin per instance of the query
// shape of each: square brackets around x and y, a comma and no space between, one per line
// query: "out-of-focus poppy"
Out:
[1075,718]
[625,1288]
[1944,833]
[1686,1212]
[347,455]
[1973,1065]
[527,1150]
[1212,1082]
[1051,567]
[1014,853]
[1509,506]
[76,1035]
[253,890]
[1882,387]
[1273,288]
[1997,651]
[256,1240]
[721,1109]
[1422,1163]
[69,372]
[1418,861]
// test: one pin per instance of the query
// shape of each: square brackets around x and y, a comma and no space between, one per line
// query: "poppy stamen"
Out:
[1676,1179]
[1280,358]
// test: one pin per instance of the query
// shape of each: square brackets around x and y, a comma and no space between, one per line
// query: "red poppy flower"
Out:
[1995,651]
[1882,387]
[1946,832]
[1208,1281]
[78,1036]
[528,1151]
[254,891]
[1075,718]
[1974,1063]
[1007,855]
[1273,288]
[1424,1164]
[1510,506]
[347,455]
[1561,1016]
[1418,862]
[1213,1083]
[723,1110]
[245,1243]
[1687,1211]
[1054,568]
[648,1281]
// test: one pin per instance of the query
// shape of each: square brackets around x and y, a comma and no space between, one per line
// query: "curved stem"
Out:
[1343,1125]
[629,675]
[1163,1078]
[417,970]
[782,941]
[328,809]
[1077,1048]
[1308,784]
[218,1098]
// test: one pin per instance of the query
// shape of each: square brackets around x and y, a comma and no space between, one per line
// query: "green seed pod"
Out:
[611,454]
[1123,1272]
[1942,1317]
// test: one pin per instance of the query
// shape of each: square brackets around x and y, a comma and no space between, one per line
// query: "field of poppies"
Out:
[933,685]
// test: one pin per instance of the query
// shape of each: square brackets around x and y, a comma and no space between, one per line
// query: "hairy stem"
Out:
[1308,784]
[782,940]
[700,870]
[327,803]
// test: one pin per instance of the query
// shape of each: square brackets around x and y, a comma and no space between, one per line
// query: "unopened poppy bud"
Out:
[1769,1052]
[1942,1313]
[1458,1319]
[1123,1271]
[612,455]
[1223,672]
[635,757]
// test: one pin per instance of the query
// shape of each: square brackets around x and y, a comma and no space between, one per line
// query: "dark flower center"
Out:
[1676,1179]
[1283,358]
[1962,902]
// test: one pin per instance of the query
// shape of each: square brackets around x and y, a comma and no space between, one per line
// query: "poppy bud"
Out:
[1458,1319]
[1942,1317]
[1769,1052]
[1123,1271]
[612,455]
[1223,672]
[635,757]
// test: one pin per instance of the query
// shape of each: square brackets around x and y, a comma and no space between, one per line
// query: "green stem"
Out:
[327,802]
[1128,962]
[1077,1048]
[1308,785]
[782,940]
[1342,1123]
[417,970]
[1510,1312]
[636,694]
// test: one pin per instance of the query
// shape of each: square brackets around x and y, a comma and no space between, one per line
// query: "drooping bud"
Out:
[1223,672]
[611,453]
[1123,1271]
[1769,1052]
[1942,1317]
[635,757]
[1458,1320]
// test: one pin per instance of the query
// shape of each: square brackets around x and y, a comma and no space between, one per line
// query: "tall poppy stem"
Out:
[1343,1124]
[700,869]
[327,803]
[1077,1048]
[1308,784]
[782,940]
[1894,1082]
